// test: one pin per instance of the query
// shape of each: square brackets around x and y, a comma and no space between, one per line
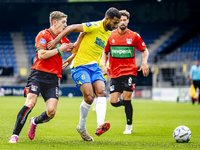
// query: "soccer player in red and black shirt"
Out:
[122,65]
[45,74]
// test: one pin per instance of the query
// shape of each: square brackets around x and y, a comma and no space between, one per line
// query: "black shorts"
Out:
[44,83]
[123,83]
[196,84]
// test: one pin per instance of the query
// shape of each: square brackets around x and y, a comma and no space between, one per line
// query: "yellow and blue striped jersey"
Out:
[92,44]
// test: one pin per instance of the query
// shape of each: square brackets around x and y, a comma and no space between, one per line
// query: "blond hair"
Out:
[56,15]
[124,13]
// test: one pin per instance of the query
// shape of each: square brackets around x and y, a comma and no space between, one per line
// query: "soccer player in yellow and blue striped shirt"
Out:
[86,72]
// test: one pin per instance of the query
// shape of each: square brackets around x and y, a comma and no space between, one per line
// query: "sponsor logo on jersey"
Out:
[100,42]
[122,51]
[95,24]
[33,88]
[129,41]
[113,40]
[42,41]
[88,24]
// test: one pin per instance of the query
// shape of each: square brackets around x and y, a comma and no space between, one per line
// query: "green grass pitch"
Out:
[153,126]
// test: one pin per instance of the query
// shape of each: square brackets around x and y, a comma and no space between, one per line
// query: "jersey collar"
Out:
[122,33]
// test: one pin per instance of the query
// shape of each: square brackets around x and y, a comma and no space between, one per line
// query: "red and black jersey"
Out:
[53,64]
[122,52]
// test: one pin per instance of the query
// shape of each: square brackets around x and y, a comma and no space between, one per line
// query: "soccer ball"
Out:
[182,134]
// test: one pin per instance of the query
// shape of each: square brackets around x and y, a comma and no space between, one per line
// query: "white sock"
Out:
[129,126]
[101,110]
[84,109]
[15,135]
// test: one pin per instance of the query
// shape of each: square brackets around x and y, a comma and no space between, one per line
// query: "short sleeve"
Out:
[41,41]
[89,26]
[107,48]
[140,45]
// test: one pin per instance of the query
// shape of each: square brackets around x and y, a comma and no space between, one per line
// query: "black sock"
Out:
[128,111]
[42,118]
[119,103]
[192,100]
[21,119]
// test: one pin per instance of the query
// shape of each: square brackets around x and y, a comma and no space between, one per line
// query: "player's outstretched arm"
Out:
[104,61]
[144,67]
[68,30]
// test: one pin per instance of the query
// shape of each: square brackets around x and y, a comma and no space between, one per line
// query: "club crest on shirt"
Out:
[42,41]
[88,24]
[129,41]
[113,40]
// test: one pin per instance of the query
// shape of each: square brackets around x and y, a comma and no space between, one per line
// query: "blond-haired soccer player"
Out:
[44,76]
[122,65]
[86,73]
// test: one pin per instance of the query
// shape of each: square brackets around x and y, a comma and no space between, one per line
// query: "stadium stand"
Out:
[7,58]
[191,50]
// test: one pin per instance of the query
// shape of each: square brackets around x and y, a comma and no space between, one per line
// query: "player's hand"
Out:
[145,69]
[51,44]
[191,81]
[66,47]
[68,61]
[105,70]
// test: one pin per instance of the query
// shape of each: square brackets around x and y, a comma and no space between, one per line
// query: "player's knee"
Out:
[89,98]
[31,100]
[29,104]
[101,93]
[51,112]
[115,104]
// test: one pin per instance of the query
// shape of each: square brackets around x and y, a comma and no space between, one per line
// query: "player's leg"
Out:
[88,95]
[50,94]
[129,86]
[115,99]
[22,116]
[99,84]
[128,111]
[115,91]
[81,76]
[101,103]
